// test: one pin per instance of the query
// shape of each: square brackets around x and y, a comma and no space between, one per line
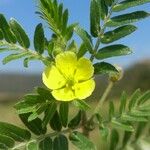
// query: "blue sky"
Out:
[24,12]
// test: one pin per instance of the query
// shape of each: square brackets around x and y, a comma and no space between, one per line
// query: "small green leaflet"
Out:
[85,37]
[15,56]
[127,18]
[20,34]
[39,41]
[75,121]
[81,142]
[103,9]
[94,18]
[7,33]
[49,113]
[60,142]
[63,113]
[128,3]
[114,139]
[6,142]
[35,125]
[14,132]
[104,68]
[122,125]
[81,104]
[46,144]
[55,122]
[33,145]
[117,34]
[112,51]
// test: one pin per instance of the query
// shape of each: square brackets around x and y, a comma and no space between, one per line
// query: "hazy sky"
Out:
[24,12]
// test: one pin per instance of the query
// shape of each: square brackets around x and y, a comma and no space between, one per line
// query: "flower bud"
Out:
[114,77]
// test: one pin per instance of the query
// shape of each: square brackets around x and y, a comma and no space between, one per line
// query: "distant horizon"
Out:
[138,41]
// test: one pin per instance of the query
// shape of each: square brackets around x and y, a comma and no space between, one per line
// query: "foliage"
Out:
[40,111]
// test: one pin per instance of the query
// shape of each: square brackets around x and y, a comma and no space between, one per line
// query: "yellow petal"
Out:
[52,78]
[85,69]
[84,89]
[66,62]
[64,94]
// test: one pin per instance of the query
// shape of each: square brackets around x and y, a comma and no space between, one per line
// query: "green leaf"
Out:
[81,142]
[39,41]
[114,139]
[127,18]
[82,50]
[27,59]
[65,20]
[123,103]
[29,103]
[113,50]
[104,68]
[134,98]
[104,132]
[8,34]
[81,104]
[72,47]
[75,121]
[111,110]
[49,113]
[94,18]
[44,93]
[126,138]
[35,125]
[85,37]
[1,35]
[69,31]
[14,132]
[140,113]
[46,144]
[141,126]
[14,57]
[145,97]
[60,143]
[33,145]
[63,112]
[20,34]
[127,117]
[117,34]
[128,3]
[6,142]
[38,110]
[55,122]
[122,125]
[102,8]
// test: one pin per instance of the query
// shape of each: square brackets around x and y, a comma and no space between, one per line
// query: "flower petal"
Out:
[84,89]
[66,62]
[85,69]
[52,78]
[64,94]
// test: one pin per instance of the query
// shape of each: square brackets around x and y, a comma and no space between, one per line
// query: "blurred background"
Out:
[15,81]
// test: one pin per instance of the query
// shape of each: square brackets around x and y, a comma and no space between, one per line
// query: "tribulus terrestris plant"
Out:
[68,80]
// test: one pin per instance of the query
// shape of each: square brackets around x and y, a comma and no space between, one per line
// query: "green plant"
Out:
[41,109]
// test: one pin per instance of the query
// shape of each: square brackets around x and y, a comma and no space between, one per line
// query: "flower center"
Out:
[70,83]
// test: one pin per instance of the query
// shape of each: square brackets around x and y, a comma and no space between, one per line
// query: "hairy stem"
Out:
[103,98]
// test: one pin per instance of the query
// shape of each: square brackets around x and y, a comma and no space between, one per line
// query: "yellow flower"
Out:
[69,78]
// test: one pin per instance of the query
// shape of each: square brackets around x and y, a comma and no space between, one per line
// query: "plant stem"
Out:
[103,98]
